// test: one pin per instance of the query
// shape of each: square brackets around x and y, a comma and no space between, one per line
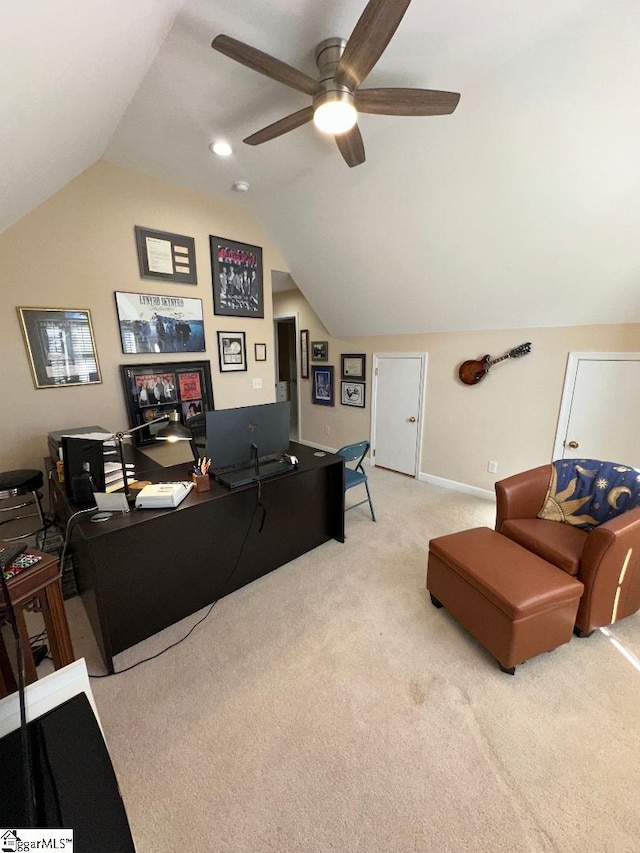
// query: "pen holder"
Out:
[201,482]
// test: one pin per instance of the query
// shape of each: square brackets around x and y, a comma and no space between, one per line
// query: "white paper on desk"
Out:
[112,467]
[104,437]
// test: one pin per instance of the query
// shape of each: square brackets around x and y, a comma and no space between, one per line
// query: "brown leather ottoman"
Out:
[514,603]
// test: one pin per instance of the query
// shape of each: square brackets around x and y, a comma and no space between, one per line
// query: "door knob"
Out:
[412,420]
[573,445]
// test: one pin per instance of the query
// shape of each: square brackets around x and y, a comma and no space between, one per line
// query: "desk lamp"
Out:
[173,431]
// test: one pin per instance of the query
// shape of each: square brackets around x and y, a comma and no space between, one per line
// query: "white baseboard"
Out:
[318,446]
[485,494]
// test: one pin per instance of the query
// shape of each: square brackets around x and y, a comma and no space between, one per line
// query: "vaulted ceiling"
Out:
[522,208]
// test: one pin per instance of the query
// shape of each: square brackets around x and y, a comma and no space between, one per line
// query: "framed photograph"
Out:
[319,350]
[152,390]
[60,346]
[304,354]
[166,256]
[322,386]
[352,394]
[236,269]
[353,366]
[151,323]
[232,351]
[260,351]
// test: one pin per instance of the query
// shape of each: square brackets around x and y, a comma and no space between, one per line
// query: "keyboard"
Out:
[245,476]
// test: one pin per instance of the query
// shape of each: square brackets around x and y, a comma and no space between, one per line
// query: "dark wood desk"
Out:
[140,572]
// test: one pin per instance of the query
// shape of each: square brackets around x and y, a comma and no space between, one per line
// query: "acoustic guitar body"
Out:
[471,372]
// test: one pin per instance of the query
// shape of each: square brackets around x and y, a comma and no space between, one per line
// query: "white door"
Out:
[396,411]
[600,409]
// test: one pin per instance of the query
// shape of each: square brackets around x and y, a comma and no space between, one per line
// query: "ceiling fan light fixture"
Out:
[334,112]
[221,148]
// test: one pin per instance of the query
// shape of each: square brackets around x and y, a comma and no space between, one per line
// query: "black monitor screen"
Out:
[234,434]
[83,456]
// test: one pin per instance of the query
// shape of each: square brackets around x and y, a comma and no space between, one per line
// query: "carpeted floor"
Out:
[330,707]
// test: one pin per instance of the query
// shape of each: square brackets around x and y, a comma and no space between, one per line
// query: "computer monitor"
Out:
[233,435]
[83,460]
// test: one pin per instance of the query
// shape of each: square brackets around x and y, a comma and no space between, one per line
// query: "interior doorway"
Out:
[397,405]
[600,408]
[286,368]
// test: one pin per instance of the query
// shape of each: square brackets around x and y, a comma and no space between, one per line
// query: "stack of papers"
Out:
[113,479]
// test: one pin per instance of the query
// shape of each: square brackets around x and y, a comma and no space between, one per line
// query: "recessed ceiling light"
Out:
[221,148]
[241,186]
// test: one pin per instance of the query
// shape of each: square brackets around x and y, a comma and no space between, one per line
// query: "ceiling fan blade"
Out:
[351,146]
[370,36]
[406,102]
[265,64]
[283,125]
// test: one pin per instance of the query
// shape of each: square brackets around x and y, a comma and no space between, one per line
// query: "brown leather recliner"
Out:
[606,559]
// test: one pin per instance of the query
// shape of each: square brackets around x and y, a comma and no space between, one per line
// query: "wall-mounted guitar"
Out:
[471,372]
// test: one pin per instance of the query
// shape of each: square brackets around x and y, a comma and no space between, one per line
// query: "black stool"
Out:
[15,484]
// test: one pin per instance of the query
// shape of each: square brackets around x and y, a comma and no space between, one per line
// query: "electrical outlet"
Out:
[257,384]
[327,429]
[492,467]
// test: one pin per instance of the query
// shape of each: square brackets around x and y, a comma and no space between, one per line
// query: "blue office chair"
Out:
[356,476]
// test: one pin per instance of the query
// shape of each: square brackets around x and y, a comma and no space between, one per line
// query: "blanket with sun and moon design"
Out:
[588,492]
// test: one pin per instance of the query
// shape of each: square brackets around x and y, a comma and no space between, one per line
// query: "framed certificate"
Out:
[353,366]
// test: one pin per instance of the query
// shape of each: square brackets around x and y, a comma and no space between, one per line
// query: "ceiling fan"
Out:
[343,66]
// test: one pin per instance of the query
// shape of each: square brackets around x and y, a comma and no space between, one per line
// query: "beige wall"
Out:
[510,416]
[74,251]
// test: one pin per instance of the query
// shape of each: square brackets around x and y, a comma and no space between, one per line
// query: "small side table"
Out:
[42,581]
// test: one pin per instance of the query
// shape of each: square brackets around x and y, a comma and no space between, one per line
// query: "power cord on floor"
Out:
[257,506]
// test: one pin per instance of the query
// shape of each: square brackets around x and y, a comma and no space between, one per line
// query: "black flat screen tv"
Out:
[236,436]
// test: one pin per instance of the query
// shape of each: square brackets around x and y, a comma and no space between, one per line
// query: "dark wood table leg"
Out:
[55,621]
[7,678]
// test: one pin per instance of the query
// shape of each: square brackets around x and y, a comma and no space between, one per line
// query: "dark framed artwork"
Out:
[352,394]
[319,350]
[260,351]
[232,351]
[236,270]
[304,354]
[60,346]
[322,386]
[154,323]
[353,366]
[152,390]
[166,256]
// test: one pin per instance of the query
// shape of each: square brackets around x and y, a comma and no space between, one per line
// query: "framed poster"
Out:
[304,354]
[236,270]
[319,350]
[153,323]
[152,390]
[166,256]
[260,351]
[353,366]
[352,394]
[232,351]
[60,346]
[322,386]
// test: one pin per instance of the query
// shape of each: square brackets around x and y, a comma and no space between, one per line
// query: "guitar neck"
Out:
[496,360]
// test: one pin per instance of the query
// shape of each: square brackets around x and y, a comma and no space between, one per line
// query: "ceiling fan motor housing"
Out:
[328,54]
